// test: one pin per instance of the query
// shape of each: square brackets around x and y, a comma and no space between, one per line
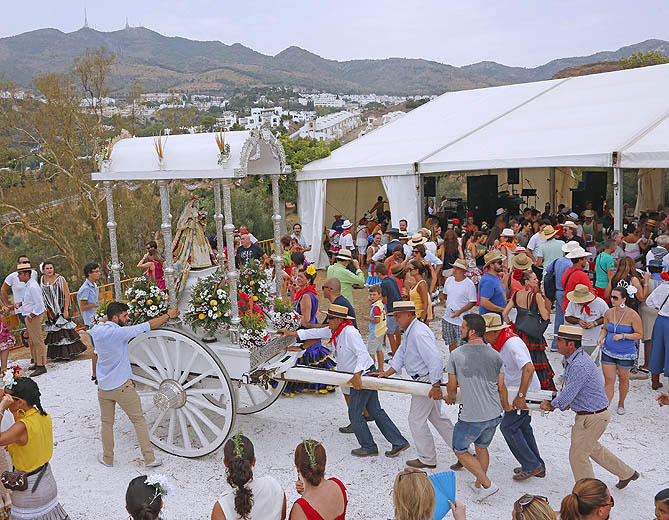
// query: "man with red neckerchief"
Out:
[575,274]
[352,356]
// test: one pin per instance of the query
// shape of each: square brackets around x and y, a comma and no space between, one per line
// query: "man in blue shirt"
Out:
[492,296]
[88,298]
[560,266]
[584,393]
[390,293]
[115,384]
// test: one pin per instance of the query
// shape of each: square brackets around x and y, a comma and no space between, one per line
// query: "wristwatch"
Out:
[521,395]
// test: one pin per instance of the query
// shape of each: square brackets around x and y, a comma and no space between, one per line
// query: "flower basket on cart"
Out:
[253,334]
[209,306]
[145,300]
[253,281]
[284,317]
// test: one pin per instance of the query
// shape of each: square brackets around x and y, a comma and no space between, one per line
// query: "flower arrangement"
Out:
[284,316]
[253,334]
[254,282]
[245,305]
[223,148]
[8,380]
[145,300]
[209,306]
[100,313]
[161,484]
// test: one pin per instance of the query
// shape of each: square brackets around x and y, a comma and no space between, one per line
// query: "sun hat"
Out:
[570,246]
[398,270]
[588,213]
[521,262]
[338,311]
[573,216]
[578,252]
[508,232]
[570,332]
[344,254]
[548,232]
[519,250]
[417,239]
[651,222]
[461,264]
[403,235]
[499,211]
[580,294]
[347,224]
[393,231]
[403,306]
[25,266]
[493,256]
[493,322]
[570,224]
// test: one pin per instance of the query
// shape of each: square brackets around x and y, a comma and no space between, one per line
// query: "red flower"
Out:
[665,276]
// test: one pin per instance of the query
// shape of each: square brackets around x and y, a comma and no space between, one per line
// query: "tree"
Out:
[207,123]
[92,69]
[134,95]
[644,59]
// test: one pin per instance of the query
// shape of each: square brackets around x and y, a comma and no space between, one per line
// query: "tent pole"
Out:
[553,188]
[617,198]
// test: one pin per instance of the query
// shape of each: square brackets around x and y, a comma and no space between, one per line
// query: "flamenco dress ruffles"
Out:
[316,356]
[62,339]
[372,279]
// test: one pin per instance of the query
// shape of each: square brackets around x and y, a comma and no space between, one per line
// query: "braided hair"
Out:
[239,456]
[26,389]
[141,500]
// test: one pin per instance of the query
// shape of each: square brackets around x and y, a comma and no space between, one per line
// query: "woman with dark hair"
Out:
[622,328]
[62,339]
[589,500]
[419,293]
[431,276]
[477,248]
[153,263]
[316,355]
[662,505]
[451,251]
[321,498]
[143,501]
[251,498]
[531,299]
[30,444]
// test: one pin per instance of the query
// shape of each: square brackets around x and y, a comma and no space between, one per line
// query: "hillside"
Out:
[162,63]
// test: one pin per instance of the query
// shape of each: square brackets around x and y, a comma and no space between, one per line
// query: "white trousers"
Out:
[422,410]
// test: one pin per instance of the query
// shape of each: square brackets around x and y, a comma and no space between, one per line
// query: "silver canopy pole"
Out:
[276,221]
[115,266]
[166,228]
[233,274]
[218,217]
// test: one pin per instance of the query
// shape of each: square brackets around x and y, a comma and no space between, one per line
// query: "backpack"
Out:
[550,284]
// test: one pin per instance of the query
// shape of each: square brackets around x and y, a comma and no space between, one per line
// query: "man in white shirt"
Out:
[32,309]
[587,311]
[12,281]
[297,235]
[352,356]
[518,373]
[460,296]
[419,355]
[536,241]
[346,238]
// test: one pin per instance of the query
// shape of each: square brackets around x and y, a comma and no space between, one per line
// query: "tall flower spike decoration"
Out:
[238,443]
[310,447]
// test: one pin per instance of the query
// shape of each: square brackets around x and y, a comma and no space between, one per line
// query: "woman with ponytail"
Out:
[250,498]
[321,499]
[589,500]
[144,501]
[30,444]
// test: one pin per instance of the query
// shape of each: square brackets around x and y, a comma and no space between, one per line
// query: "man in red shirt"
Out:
[576,274]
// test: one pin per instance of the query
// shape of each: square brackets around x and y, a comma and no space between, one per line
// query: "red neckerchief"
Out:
[504,335]
[346,232]
[336,333]
[309,289]
[586,307]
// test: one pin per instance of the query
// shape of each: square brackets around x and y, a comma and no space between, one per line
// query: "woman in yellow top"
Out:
[30,444]
[419,293]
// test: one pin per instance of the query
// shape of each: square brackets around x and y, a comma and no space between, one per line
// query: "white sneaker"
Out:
[101,460]
[154,464]
[483,493]
[621,411]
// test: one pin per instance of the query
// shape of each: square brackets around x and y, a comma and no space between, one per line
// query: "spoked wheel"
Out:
[186,393]
[254,398]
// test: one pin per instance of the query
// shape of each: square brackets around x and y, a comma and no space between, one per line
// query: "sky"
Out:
[513,32]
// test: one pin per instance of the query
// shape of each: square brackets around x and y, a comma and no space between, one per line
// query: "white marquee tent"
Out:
[616,120]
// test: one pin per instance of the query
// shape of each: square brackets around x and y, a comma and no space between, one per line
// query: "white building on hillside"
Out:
[332,126]
[260,115]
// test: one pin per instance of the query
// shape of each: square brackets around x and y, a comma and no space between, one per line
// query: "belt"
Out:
[33,472]
[414,377]
[591,413]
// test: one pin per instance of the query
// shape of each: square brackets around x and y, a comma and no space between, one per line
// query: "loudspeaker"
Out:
[482,197]
[429,186]
[513,175]
[591,189]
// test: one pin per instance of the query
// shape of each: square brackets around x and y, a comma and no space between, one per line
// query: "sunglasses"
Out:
[615,297]
[524,502]
[414,473]
[324,287]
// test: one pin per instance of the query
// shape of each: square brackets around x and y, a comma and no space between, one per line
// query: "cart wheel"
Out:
[186,393]
[254,398]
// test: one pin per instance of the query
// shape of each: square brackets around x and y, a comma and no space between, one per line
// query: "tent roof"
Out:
[576,121]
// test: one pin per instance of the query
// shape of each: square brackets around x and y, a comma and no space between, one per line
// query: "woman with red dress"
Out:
[153,263]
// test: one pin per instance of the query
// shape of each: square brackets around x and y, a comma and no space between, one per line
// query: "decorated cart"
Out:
[192,381]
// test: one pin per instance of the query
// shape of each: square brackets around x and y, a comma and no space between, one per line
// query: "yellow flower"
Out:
[311,270]
[252,282]
[134,301]
[149,302]
[157,298]
[255,298]
[218,315]
[213,303]
[201,316]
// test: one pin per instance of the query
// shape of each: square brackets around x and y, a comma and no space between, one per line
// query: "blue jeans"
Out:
[518,434]
[480,433]
[369,399]
[559,314]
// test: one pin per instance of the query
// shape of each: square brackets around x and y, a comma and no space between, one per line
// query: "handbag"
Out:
[18,480]
[530,322]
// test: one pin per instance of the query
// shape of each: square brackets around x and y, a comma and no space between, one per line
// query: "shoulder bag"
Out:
[529,321]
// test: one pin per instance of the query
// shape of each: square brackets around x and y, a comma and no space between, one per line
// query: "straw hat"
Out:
[521,262]
[570,246]
[461,264]
[569,224]
[417,239]
[347,224]
[580,294]
[570,332]
[398,270]
[578,252]
[508,232]
[588,213]
[338,311]
[573,216]
[493,322]
[493,256]
[499,211]
[519,249]
[403,235]
[548,232]
[403,306]
[344,254]
[25,266]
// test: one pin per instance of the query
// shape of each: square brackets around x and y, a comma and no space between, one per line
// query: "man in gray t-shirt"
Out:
[479,371]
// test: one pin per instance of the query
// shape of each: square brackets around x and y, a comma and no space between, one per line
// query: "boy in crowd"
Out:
[377,325]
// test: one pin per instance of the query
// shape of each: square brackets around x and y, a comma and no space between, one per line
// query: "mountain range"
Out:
[161,63]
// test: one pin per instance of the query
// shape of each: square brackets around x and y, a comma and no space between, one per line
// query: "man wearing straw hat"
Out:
[347,279]
[583,392]
[352,356]
[460,296]
[558,268]
[32,309]
[576,273]
[492,296]
[586,310]
[420,356]
[551,249]
[519,373]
